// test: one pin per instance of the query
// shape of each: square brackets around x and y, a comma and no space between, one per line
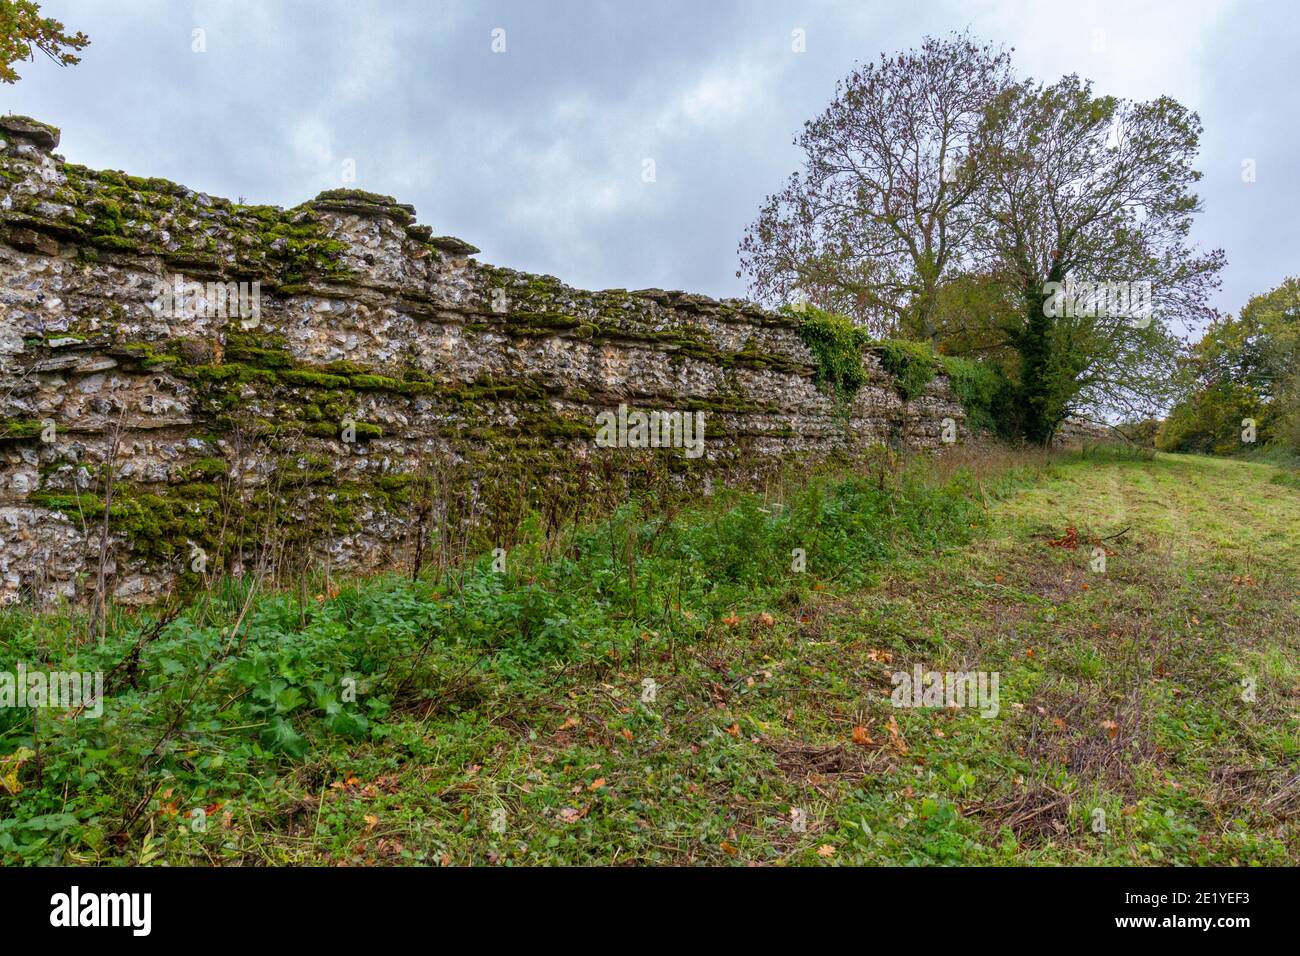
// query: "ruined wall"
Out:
[364,317]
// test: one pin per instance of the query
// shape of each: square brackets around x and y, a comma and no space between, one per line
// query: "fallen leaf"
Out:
[1069,541]
[896,737]
[861,737]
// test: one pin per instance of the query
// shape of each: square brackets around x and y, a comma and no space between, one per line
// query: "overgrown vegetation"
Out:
[1245,371]
[912,364]
[665,687]
[838,346]
[983,391]
[243,695]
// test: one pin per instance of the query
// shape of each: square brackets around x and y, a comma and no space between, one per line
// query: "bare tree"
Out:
[883,209]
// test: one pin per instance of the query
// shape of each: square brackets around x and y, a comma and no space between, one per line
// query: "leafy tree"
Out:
[23,31]
[1261,348]
[1094,189]
[1209,421]
[882,211]
[1247,367]
[941,201]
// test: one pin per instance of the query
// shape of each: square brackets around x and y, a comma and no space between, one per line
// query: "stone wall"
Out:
[375,349]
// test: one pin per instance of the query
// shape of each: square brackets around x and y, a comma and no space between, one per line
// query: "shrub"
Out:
[837,345]
[912,364]
[982,390]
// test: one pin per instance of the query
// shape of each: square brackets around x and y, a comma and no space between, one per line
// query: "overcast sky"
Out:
[536,154]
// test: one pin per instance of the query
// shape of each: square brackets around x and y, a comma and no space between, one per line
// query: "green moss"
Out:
[148,356]
[116,243]
[376,383]
[364,431]
[116,212]
[314,379]
[19,430]
[356,195]
[157,525]
[205,469]
[18,122]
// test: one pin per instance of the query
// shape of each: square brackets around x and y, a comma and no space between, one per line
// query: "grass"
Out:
[666,688]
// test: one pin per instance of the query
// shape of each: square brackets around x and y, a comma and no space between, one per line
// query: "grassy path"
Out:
[1147,713]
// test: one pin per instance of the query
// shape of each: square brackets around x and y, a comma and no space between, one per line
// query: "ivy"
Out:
[981,388]
[912,364]
[837,345]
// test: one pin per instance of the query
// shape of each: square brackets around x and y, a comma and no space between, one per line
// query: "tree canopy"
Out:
[23,31]
[943,200]
[883,209]
[1246,367]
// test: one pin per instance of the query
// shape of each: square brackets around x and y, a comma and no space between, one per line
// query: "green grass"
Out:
[664,688]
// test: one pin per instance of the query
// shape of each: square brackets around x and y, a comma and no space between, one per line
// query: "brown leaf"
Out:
[896,737]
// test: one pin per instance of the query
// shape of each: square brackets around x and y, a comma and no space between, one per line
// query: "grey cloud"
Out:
[535,155]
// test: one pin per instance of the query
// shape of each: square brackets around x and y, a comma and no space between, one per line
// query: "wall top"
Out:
[42,134]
